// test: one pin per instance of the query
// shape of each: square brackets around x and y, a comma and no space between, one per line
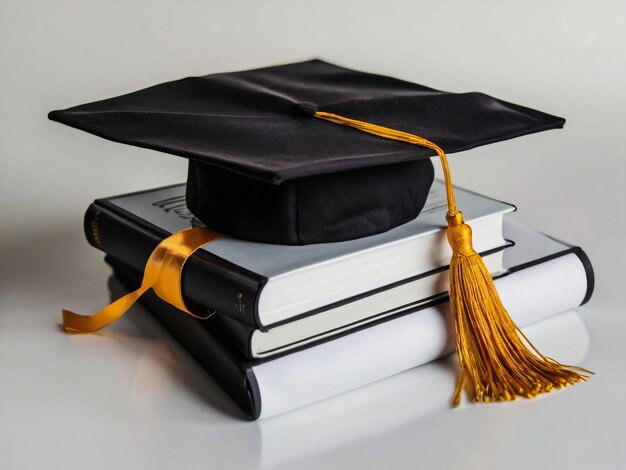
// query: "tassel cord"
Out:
[393,134]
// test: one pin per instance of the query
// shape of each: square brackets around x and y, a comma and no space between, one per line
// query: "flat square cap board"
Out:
[263,169]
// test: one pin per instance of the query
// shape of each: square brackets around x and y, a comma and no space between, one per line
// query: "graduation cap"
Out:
[262,168]
[275,156]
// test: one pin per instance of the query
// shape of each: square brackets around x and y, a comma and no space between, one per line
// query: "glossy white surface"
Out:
[131,399]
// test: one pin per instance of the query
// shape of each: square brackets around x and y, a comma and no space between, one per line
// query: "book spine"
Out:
[208,283]
[240,335]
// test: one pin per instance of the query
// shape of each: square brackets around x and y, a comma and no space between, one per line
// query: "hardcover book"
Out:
[265,285]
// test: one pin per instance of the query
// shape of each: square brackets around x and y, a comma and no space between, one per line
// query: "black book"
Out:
[544,277]
[265,285]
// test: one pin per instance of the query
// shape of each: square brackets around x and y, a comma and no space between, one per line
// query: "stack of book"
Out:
[293,325]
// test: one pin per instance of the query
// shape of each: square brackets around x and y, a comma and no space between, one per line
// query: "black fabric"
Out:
[248,122]
[336,206]
[259,126]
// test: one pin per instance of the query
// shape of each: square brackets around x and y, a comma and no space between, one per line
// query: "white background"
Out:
[68,402]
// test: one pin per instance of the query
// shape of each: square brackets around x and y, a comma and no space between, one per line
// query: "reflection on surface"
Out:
[372,414]
[372,421]
[163,374]
[161,360]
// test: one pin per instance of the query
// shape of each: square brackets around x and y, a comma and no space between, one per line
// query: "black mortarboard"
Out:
[261,168]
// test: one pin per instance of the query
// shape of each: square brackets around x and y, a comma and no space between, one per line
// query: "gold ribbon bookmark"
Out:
[162,273]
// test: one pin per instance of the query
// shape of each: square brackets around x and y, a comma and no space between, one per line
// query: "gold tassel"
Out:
[497,362]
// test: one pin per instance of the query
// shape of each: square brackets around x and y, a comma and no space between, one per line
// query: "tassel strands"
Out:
[497,362]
